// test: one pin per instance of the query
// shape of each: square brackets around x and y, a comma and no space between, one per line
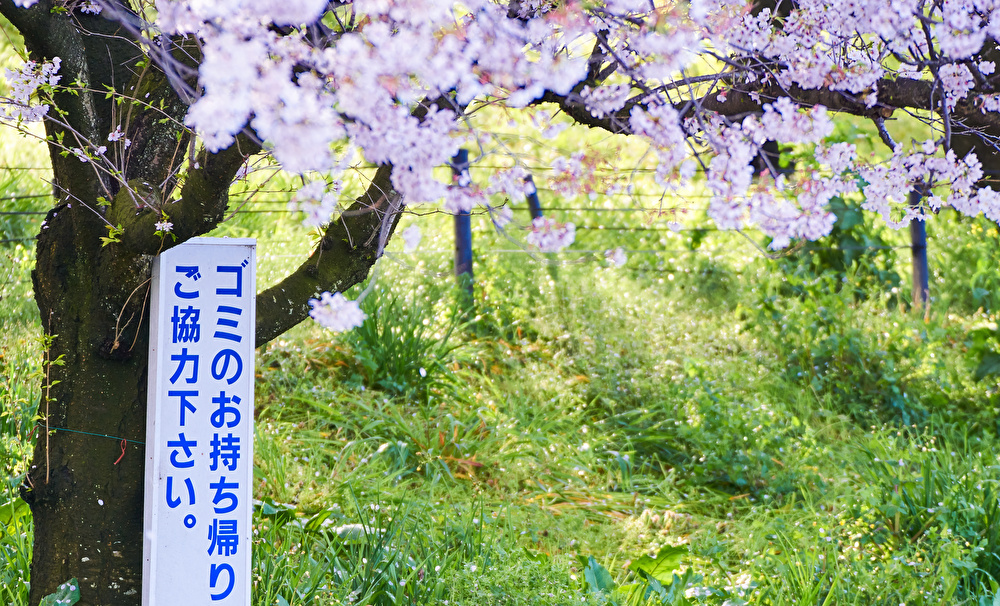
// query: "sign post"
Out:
[199,429]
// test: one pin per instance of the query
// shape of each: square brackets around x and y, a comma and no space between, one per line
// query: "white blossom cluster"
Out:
[318,202]
[501,216]
[605,100]
[512,183]
[364,87]
[888,185]
[396,85]
[661,124]
[463,199]
[335,312]
[23,83]
[548,235]
[957,81]
[989,103]
[839,156]
[730,176]
[119,135]
[616,256]
[411,238]
[568,175]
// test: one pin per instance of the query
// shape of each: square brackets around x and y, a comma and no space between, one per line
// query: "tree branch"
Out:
[343,258]
[897,93]
[201,206]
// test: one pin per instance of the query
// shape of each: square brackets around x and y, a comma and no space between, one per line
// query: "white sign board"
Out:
[199,428]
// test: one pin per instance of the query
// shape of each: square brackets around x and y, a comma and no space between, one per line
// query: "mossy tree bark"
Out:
[85,495]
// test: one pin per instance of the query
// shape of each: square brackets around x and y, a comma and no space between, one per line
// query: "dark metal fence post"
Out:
[918,245]
[535,207]
[463,227]
[533,204]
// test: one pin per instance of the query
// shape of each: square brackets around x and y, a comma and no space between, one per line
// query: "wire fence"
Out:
[620,219]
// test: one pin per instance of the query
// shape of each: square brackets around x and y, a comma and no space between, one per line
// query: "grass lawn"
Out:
[691,428]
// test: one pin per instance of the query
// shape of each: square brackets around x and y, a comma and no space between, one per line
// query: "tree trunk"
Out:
[85,485]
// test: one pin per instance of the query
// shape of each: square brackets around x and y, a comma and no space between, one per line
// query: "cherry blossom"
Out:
[335,312]
[403,81]
[687,98]
[957,81]
[317,201]
[839,156]
[119,135]
[512,183]
[411,238]
[616,256]
[548,235]
[605,100]
[501,216]
[24,82]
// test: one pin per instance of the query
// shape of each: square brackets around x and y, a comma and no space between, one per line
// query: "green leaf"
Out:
[279,512]
[656,587]
[316,522]
[114,234]
[661,567]
[12,510]
[536,556]
[851,218]
[989,365]
[598,577]
[67,595]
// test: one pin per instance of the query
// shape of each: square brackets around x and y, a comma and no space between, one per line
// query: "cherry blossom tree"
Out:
[152,109]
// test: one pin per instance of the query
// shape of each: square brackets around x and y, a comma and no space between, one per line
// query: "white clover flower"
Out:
[336,312]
